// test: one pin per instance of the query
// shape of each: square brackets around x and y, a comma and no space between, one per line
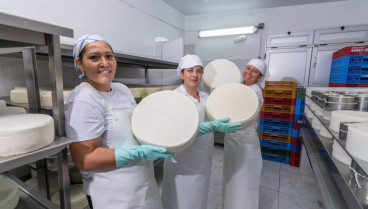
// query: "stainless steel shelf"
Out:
[11,162]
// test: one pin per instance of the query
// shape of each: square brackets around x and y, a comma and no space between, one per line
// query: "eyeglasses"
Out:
[191,70]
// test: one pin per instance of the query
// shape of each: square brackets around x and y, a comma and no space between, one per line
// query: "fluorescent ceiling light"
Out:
[228,31]
[161,39]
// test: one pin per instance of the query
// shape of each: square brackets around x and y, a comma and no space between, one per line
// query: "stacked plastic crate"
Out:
[296,144]
[277,120]
[349,67]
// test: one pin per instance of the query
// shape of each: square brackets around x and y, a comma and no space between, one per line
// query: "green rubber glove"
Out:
[127,154]
[220,125]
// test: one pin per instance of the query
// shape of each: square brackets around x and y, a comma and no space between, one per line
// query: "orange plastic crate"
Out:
[275,137]
[281,85]
[278,108]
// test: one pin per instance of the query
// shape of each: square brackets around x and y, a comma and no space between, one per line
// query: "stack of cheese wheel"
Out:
[53,183]
[78,198]
[237,101]
[219,72]
[19,96]
[339,153]
[152,89]
[357,140]
[166,119]
[11,110]
[24,133]
[338,116]
[9,193]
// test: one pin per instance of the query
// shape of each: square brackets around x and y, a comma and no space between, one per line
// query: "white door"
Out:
[289,64]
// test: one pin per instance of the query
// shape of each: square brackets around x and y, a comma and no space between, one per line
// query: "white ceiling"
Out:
[197,7]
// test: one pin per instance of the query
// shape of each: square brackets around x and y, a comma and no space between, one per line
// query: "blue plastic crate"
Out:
[363,79]
[275,144]
[283,130]
[296,148]
[272,122]
[295,133]
[275,158]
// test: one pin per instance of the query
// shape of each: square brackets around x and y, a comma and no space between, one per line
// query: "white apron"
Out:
[132,186]
[242,166]
[186,176]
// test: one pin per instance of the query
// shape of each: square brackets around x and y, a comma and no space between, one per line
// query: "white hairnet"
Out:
[188,61]
[262,67]
[82,42]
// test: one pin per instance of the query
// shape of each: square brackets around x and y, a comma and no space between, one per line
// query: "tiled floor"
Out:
[282,186]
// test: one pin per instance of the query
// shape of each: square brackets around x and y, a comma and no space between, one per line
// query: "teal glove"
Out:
[127,154]
[218,125]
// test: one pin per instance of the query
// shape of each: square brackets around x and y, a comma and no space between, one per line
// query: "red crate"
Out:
[351,50]
[294,159]
[296,141]
[295,126]
[277,116]
[279,101]
[347,85]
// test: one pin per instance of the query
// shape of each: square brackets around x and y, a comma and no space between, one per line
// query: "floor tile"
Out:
[270,175]
[268,199]
[290,171]
[304,188]
[292,202]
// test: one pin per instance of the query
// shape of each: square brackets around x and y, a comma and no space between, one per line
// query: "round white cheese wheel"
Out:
[357,140]
[220,72]
[237,101]
[339,153]
[338,116]
[18,96]
[12,110]
[24,133]
[2,103]
[46,97]
[78,198]
[166,119]
[53,183]
[9,193]
[324,132]
[75,175]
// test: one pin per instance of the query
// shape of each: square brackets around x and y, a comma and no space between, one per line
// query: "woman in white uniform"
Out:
[242,153]
[117,171]
[187,175]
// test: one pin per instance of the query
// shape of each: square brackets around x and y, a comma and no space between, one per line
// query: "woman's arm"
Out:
[89,156]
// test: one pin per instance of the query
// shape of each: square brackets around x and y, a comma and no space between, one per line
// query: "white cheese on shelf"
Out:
[78,198]
[339,154]
[166,119]
[357,140]
[220,72]
[9,193]
[237,101]
[136,91]
[12,110]
[2,103]
[19,96]
[338,116]
[22,133]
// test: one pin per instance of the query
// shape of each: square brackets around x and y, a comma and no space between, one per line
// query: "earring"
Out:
[82,75]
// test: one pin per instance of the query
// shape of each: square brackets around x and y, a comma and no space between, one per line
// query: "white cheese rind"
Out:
[78,198]
[24,133]
[339,154]
[357,140]
[338,116]
[166,119]
[9,193]
[12,110]
[219,72]
[237,101]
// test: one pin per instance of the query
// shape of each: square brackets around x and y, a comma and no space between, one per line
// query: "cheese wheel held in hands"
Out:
[219,72]
[166,119]
[237,101]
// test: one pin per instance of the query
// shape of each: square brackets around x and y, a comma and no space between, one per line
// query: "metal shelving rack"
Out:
[23,35]
[336,182]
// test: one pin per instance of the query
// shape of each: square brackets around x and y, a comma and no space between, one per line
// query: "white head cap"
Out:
[188,61]
[82,42]
[261,66]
